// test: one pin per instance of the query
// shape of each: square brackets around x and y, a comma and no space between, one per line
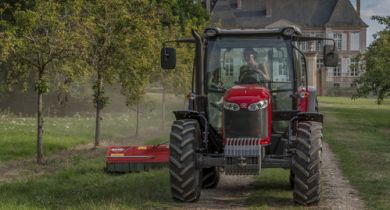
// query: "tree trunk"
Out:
[137,120]
[163,109]
[98,108]
[40,158]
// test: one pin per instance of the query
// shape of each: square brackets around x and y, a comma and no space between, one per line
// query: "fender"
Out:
[310,116]
[312,105]
[190,114]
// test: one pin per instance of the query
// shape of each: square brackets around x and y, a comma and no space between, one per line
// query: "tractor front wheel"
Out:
[306,163]
[210,177]
[185,175]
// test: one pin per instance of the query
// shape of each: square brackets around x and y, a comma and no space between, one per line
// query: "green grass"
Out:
[18,134]
[359,133]
[86,186]
[272,190]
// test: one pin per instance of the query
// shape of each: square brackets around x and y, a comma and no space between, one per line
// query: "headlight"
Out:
[258,105]
[231,106]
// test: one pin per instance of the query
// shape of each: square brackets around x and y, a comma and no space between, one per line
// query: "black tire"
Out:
[184,173]
[291,179]
[306,163]
[210,177]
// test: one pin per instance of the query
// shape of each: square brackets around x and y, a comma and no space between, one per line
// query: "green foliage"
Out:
[376,61]
[41,39]
[100,99]
[41,85]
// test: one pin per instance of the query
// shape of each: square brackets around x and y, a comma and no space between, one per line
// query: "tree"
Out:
[43,42]
[120,47]
[375,62]
[139,53]
[177,19]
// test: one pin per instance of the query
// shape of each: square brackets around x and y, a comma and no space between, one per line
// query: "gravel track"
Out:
[232,191]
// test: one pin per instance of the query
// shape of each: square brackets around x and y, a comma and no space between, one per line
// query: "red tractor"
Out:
[250,108]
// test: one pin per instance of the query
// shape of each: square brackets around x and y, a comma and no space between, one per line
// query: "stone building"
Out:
[337,19]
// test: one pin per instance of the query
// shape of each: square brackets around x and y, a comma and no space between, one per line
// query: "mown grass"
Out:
[85,186]
[358,131]
[18,134]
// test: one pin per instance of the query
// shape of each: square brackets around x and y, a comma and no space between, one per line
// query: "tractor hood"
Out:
[245,95]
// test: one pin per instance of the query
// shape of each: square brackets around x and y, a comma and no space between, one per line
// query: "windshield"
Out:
[264,61]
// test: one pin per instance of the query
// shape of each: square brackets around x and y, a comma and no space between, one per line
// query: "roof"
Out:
[303,13]
[344,14]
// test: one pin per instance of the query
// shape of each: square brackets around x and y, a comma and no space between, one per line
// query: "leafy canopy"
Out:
[376,65]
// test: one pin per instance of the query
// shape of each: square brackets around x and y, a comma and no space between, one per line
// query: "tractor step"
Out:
[136,158]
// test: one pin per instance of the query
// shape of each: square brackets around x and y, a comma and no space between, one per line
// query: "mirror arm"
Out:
[181,40]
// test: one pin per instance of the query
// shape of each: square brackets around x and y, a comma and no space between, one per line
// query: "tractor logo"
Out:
[244,106]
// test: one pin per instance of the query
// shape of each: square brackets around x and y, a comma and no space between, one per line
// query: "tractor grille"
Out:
[242,156]
[245,124]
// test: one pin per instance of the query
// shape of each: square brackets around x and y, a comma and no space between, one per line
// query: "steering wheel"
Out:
[251,76]
[217,88]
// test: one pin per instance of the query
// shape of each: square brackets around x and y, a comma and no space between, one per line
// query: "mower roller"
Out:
[124,159]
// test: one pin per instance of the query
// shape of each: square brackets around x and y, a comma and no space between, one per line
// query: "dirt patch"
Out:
[231,193]
[337,192]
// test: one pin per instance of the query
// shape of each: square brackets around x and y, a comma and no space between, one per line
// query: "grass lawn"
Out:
[18,134]
[86,186]
[358,132]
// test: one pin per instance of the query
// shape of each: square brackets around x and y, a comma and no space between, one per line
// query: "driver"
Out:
[250,56]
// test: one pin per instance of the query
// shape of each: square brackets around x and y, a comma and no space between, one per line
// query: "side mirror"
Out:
[331,56]
[168,58]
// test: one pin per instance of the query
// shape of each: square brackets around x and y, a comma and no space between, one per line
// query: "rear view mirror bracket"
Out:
[168,58]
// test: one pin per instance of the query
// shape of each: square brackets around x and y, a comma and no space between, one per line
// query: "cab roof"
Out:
[288,31]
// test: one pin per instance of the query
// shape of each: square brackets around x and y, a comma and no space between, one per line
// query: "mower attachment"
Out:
[136,158]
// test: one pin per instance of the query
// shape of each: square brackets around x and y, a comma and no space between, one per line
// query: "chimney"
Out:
[238,4]
[268,9]
[358,7]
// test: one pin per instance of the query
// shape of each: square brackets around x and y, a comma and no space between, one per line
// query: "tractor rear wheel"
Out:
[210,177]
[306,163]
[185,175]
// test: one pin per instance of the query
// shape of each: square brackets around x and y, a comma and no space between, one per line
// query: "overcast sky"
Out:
[370,8]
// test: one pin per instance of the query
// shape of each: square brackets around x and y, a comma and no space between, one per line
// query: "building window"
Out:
[304,46]
[229,67]
[336,85]
[355,41]
[337,70]
[320,63]
[319,44]
[338,37]
[354,68]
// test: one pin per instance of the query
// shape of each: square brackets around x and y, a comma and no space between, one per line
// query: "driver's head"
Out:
[248,52]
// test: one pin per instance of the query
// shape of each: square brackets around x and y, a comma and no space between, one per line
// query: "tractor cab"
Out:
[250,108]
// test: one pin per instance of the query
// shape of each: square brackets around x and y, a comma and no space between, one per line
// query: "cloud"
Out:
[371,8]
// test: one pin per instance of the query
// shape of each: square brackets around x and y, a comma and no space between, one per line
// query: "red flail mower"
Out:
[123,159]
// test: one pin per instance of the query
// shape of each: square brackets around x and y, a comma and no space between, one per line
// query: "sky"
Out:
[370,8]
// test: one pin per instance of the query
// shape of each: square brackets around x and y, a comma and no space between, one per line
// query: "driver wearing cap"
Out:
[252,66]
